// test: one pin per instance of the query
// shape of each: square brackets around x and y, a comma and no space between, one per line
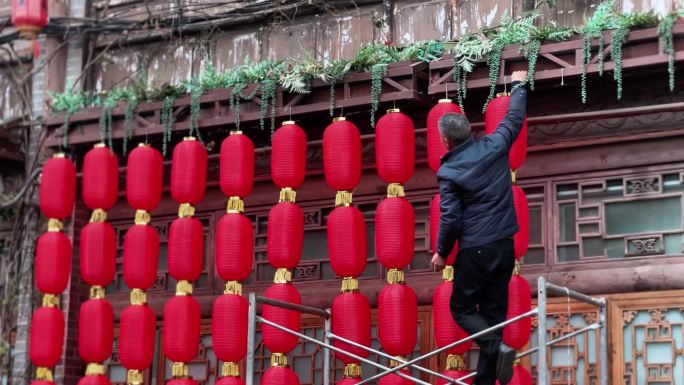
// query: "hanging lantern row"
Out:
[52,265]
[395,236]
[234,256]
[141,255]
[347,243]
[98,262]
[181,331]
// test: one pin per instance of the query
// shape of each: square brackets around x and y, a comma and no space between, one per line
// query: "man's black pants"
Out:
[480,298]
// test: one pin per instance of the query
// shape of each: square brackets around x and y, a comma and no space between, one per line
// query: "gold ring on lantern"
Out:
[343,198]
[98,215]
[395,190]
[94,369]
[134,377]
[287,194]
[138,297]
[339,119]
[190,138]
[233,287]
[398,360]
[516,269]
[185,210]
[43,373]
[448,274]
[516,362]
[455,362]
[444,101]
[395,276]
[59,155]
[288,123]
[54,225]
[144,145]
[514,176]
[99,145]
[393,110]
[236,132]
[352,371]
[282,275]
[350,284]
[97,292]
[501,94]
[230,369]
[183,287]
[235,205]
[50,300]
[142,217]
[179,370]
[279,360]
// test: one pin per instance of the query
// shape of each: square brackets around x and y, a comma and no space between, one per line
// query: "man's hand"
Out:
[437,263]
[519,76]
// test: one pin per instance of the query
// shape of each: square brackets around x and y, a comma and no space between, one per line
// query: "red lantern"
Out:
[435,147]
[29,17]
[182,381]
[496,111]
[186,244]
[279,376]
[520,376]
[288,156]
[234,247]
[395,147]
[347,244]
[98,253]
[57,187]
[100,178]
[517,334]
[447,331]
[136,337]
[47,336]
[95,330]
[435,214]
[53,262]
[348,381]
[144,175]
[394,232]
[181,331]
[397,319]
[95,379]
[230,381]
[455,374]
[342,155]
[351,320]
[278,341]
[285,235]
[140,256]
[395,379]
[42,382]
[237,165]
[229,327]
[521,239]
[188,171]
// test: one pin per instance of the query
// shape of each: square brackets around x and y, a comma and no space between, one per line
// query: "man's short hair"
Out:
[455,127]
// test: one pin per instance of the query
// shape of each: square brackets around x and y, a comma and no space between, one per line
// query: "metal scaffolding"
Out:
[543,290]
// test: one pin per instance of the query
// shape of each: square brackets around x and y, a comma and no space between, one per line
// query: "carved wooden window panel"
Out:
[537,208]
[623,216]
[164,280]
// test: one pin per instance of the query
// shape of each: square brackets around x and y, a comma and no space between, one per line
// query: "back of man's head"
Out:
[454,127]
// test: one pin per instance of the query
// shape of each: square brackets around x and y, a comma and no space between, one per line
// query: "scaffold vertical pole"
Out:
[542,372]
[603,336]
[251,339]
[326,352]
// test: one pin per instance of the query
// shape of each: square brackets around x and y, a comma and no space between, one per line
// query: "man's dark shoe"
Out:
[504,364]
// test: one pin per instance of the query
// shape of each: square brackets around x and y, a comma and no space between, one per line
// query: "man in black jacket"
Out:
[477,211]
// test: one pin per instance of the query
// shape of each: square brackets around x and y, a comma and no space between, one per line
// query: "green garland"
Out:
[665,30]
[617,41]
[531,54]
[378,71]
[268,95]
[602,43]
[131,105]
[167,120]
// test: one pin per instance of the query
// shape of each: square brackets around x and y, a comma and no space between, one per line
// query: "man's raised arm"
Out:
[510,126]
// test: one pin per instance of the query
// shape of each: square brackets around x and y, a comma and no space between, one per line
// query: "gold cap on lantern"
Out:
[514,176]
[138,297]
[98,215]
[446,100]
[279,360]
[142,217]
[448,274]
[392,110]
[59,155]
[395,276]
[143,145]
[179,370]
[233,287]
[282,275]
[235,205]
[288,123]
[396,361]
[339,119]
[236,132]
[99,145]
[190,138]
[134,377]
[94,369]
[97,292]
[185,210]
[54,225]
[455,362]
[352,371]
[395,190]
[343,198]
[350,284]
[287,194]
[43,373]
[230,369]
[516,269]
[501,94]
[183,287]
[50,300]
